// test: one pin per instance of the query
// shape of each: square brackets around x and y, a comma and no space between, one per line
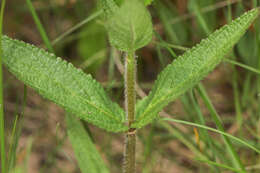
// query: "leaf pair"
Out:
[81,95]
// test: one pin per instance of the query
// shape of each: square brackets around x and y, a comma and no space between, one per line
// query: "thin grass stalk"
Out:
[77,26]
[184,139]
[2,124]
[245,143]
[16,134]
[130,99]
[202,92]
[239,117]
[39,26]
[207,139]
[256,4]
[230,61]
[234,155]
[201,19]
[220,165]
[11,155]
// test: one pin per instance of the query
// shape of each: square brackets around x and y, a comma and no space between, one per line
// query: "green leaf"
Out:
[94,39]
[62,83]
[185,72]
[85,151]
[130,28]
[147,2]
[109,7]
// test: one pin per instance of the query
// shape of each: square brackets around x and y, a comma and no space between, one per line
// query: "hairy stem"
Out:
[130,79]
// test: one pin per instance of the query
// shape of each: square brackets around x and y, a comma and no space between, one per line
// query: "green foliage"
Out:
[39,26]
[247,47]
[85,151]
[206,21]
[243,142]
[130,27]
[119,2]
[248,50]
[109,7]
[110,4]
[148,2]
[190,68]
[175,33]
[2,120]
[92,46]
[62,83]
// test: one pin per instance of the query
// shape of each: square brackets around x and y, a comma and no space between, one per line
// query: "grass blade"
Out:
[220,165]
[2,124]
[16,133]
[247,67]
[235,158]
[39,26]
[213,130]
[86,153]
[11,152]
[77,26]
[202,22]
[207,139]
[181,137]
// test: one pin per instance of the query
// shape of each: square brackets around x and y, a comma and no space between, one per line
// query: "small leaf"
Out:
[85,151]
[187,70]
[130,28]
[62,83]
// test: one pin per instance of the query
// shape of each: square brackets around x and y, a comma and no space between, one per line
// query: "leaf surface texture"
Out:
[187,70]
[62,83]
[130,27]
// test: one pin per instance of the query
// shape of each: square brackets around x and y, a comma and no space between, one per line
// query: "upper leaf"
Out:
[109,7]
[62,83]
[85,151]
[187,70]
[130,27]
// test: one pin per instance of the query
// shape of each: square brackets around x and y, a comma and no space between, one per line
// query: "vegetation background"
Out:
[234,90]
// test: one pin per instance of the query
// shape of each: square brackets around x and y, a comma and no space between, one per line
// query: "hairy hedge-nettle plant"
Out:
[129,28]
